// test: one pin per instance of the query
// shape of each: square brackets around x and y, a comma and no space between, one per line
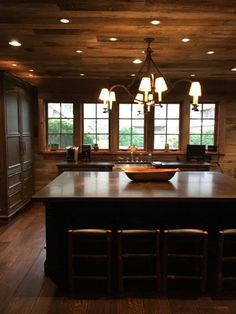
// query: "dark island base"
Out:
[211,215]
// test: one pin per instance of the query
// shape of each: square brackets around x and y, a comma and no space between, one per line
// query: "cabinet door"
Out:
[26,143]
[13,148]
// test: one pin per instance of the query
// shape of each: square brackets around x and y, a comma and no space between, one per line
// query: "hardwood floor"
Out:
[24,288]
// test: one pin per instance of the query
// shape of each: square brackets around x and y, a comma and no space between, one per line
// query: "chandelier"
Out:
[151,87]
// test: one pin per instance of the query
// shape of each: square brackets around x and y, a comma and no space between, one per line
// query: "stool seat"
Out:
[185,256]
[226,258]
[138,256]
[89,257]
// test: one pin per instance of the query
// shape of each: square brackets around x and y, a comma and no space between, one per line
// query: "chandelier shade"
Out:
[151,88]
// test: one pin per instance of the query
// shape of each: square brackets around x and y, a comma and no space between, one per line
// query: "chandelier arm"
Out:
[137,75]
[157,68]
[181,80]
[123,87]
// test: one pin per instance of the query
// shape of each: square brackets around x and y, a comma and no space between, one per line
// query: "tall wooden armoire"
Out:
[17,99]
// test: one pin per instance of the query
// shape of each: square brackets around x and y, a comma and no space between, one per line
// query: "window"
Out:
[96,126]
[166,126]
[60,124]
[202,125]
[131,127]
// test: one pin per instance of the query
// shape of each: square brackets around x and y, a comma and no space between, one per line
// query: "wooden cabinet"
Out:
[16,102]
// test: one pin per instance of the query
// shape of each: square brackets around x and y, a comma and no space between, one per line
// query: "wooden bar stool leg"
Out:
[120,263]
[204,264]
[219,261]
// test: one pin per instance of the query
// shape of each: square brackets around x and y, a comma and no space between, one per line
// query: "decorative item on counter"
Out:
[132,149]
[70,153]
[95,147]
[85,153]
[141,174]
[54,146]
[149,158]
[167,147]
[76,153]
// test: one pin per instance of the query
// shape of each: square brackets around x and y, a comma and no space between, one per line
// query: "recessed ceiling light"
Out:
[193,75]
[15,43]
[79,51]
[132,74]
[155,22]
[82,74]
[211,52]
[64,21]
[14,64]
[31,70]
[185,40]
[137,61]
[234,69]
[113,39]
[143,51]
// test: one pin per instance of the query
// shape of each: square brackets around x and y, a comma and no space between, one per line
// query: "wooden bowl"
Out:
[149,174]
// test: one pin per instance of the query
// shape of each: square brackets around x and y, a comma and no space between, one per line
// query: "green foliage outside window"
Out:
[206,139]
[60,131]
[128,137]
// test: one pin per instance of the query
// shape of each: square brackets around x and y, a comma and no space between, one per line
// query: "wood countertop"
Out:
[186,185]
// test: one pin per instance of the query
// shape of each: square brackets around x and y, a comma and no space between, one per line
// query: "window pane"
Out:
[208,139]
[195,126]
[53,125]
[125,126]
[160,112]
[103,141]
[67,110]
[89,139]
[195,139]
[208,124]
[209,111]
[95,123]
[54,110]
[160,126]
[167,128]
[135,113]
[131,126]
[89,111]
[173,111]
[102,126]
[66,140]
[138,140]
[54,139]
[159,141]
[195,114]
[124,141]
[60,124]
[125,111]
[138,127]
[204,125]
[173,126]
[100,113]
[67,126]
[173,141]
[89,126]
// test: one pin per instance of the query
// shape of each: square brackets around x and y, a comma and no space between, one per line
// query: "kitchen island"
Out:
[110,200]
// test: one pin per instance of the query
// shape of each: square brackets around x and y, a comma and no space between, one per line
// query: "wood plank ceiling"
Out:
[49,47]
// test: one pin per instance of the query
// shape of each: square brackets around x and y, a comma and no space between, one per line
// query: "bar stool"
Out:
[89,256]
[226,259]
[138,256]
[185,256]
